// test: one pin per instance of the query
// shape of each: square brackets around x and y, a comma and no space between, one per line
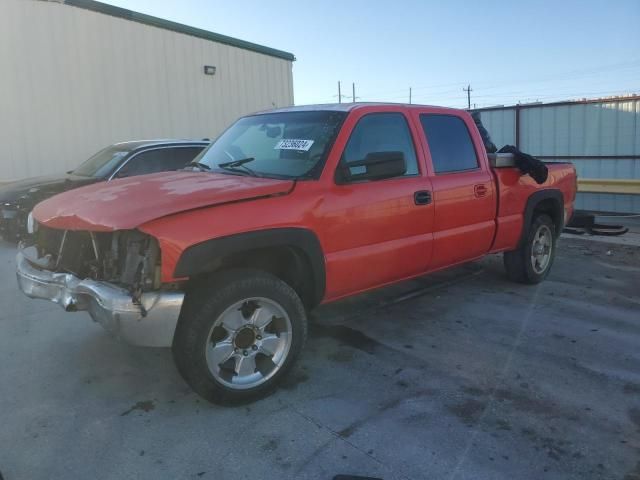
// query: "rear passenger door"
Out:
[463,193]
[158,160]
[375,230]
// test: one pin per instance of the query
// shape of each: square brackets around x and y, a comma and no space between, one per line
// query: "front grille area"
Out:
[48,240]
[70,251]
[127,258]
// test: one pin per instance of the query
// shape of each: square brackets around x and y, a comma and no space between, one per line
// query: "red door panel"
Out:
[374,233]
[464,223]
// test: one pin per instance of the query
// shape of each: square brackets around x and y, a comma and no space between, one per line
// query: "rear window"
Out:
[449,143]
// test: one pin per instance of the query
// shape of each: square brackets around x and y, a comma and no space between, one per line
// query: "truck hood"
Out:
[127,203]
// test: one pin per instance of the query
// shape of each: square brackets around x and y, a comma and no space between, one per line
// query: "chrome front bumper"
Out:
[107,304]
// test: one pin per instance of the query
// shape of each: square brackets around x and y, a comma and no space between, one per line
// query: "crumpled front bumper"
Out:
[109,305]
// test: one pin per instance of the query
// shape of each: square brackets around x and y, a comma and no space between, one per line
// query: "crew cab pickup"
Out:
[287,209]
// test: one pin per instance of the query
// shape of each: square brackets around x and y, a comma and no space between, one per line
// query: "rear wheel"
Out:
[532,262]
[238,335]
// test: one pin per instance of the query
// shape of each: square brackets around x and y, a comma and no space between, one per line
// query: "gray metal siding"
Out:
[581,129]
[74,80]
[501,125]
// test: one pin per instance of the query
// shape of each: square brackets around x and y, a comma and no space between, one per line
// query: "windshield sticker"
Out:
[293,144]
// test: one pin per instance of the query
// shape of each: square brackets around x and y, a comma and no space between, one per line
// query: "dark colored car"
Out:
[121,160]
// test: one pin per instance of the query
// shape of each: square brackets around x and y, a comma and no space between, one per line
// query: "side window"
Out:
[449,142]
[159,160]
[381,132]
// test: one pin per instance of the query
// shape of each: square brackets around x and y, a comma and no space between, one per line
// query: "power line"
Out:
[531,97]
[521,87]
[557,97]
[404,90]
[564,76]
[568,75]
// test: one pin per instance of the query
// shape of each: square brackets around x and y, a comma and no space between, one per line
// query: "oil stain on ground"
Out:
[292,380]
[270,446]
[341,356]
[468,411]
[145,406]
[633,474]
[631,388]
[634,415]
[389,405]
[346,336]
[518,400]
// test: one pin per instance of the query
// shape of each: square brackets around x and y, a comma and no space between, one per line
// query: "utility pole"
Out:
[409,95]
[344,95]
[353,92]
[468,90]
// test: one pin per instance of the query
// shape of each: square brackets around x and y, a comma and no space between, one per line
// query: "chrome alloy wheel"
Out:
[248,343]
[541,249]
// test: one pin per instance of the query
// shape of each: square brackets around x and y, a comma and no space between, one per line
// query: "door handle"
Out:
[480,190]
[423,197]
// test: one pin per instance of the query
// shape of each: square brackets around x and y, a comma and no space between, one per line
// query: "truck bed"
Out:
[514,190]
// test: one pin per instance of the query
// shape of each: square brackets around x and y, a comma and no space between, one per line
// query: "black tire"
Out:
[205,303]
[518,263]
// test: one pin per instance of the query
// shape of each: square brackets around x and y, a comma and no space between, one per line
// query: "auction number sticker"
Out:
[293,144]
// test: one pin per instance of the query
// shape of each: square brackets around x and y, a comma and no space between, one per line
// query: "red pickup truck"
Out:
[287,209]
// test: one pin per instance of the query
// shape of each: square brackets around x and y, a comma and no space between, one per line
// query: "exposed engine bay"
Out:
[126,258]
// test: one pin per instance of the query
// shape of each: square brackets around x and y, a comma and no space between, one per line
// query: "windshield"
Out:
[102,163]
[280,145]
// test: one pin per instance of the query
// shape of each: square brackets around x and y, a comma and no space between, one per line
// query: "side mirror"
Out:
[375,166]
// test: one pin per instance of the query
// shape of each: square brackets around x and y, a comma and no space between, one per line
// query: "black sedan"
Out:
[125,159]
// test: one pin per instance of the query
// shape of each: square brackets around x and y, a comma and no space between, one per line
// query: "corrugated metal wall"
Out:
[501,125]
[597,135]
[74,81]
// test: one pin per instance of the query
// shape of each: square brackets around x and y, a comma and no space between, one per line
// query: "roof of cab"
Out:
[347,107]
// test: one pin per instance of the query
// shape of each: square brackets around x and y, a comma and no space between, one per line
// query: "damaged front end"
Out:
[115,276]
[129,258]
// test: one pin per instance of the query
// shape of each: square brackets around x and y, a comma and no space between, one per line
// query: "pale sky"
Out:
[508,51]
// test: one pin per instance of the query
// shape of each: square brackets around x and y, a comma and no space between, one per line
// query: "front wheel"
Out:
[238,335]
[532,262]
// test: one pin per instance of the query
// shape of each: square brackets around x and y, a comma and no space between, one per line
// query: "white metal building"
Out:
[78,75]
[600,136]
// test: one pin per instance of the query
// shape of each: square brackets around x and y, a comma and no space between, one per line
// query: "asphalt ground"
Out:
[458,375]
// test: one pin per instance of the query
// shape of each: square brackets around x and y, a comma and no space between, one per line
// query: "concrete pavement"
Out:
[458,375]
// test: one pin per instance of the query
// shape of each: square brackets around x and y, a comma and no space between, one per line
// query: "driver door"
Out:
[377,231]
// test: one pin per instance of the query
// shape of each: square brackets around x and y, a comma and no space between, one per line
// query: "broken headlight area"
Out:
[127,258]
